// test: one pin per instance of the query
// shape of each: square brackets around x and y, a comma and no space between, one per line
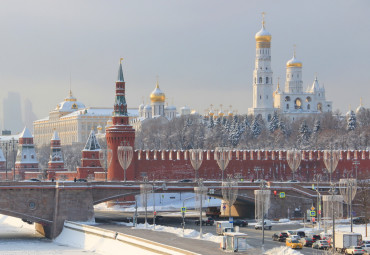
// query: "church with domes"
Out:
[292,101]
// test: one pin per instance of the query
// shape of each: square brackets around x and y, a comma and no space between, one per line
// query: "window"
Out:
[24,156]
[308,107]
[269,117]
[298,103]
[267,80]
[267,97]
[266,68]
[287,106]
[319,107]
[260,80]
[287,99]
[308,99]
[260,97]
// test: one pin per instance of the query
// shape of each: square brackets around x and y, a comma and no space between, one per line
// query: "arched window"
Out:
[287,98]
[287,106]
[267,80]
[260,80]
[308,107]
[308,99]
[298,103]
[319,107]
[260,97]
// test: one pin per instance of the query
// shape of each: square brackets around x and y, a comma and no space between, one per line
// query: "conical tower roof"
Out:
[26,133]
[92,143]
[120,72]
[55,136]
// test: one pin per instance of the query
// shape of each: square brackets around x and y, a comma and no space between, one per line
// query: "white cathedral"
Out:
[292,101]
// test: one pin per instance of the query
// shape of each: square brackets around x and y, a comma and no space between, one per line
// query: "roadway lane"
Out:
[107,219]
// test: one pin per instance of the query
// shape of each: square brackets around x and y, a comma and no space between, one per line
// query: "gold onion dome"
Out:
[263,35]
[157,95]
[294,62]
[221,113]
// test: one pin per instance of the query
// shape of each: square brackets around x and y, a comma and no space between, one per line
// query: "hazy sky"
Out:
[203,51]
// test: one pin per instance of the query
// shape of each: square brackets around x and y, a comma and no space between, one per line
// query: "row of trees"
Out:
[321,131]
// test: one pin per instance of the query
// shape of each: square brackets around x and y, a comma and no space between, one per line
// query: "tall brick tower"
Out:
[56,162]
[120,132]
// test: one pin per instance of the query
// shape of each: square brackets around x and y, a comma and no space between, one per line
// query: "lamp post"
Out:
[105,159]
[332,192]
[262,198]
[331,159]
[356,163]
[200,191]
[348,189]
[196,159]
[144,190]
[293,157]
[125,154]
[230,192]
[222,156]
[318,178]
[257,169]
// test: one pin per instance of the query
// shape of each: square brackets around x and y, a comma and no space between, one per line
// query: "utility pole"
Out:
[332,191]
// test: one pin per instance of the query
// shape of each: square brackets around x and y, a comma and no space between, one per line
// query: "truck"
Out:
[224,226]
[344,240]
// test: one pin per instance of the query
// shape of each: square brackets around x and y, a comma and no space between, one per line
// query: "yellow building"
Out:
[73,121]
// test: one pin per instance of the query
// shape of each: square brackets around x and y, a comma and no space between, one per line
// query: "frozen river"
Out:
[17,237]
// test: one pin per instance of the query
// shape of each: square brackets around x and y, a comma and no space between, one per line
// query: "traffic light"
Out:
[275,192]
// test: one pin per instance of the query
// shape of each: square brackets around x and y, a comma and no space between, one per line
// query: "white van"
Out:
[267,225]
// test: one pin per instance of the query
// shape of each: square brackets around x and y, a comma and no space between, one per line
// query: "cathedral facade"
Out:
[292,101]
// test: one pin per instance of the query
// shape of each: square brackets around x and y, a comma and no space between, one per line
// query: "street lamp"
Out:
[125,154]
[257,169]
[200,192]
[293,157]
[318,178]
[222,156]
[348,189]
[144,190]
[196,159]
[356,163]
[332,192]
[230,192]
[105,158]
[331,159]
[262,198]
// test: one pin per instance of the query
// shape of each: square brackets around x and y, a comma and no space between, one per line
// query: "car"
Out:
[296,237]
[366,247]
[292,181]
[365,242]
[267,225]
[306,241]
[301,233]
[321,244]
[207,221]
[240,223]
[293,243]
[354,250]
[280,236]
[34,180]
[81,180]
[186,180]
[291,232]
[315,238]
[360,220]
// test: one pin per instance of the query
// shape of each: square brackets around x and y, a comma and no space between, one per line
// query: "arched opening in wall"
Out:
[298,103]
[267,80]
[287,98]
[308,99]
[319,107]
[260,80]
[308,107]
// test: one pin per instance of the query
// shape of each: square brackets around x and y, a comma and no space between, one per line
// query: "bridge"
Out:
[49,204]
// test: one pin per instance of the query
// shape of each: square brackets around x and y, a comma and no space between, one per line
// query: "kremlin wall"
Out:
[171,164]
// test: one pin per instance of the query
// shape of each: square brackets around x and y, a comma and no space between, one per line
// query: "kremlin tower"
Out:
[26,155]
[56,162]
[120,133]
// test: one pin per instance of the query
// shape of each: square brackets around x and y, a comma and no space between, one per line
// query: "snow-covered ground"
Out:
[282,251]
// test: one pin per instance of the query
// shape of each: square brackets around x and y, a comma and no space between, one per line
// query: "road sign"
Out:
[282,194]
[183,209]
[312,208]
[313,213]
[224,207]
[231,220]
[211,191]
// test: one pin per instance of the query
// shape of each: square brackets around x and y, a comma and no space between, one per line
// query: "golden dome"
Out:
[294,62]
[263,35]
[157,95]
[221,113]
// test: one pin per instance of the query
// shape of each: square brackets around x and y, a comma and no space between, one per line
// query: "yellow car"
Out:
[293,243]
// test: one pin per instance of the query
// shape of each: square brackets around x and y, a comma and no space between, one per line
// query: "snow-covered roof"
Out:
[69,106]
[94,111]
[26,133]
[5,138]
[92,143]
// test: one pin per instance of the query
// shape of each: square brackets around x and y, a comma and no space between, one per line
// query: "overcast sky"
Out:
[203,51]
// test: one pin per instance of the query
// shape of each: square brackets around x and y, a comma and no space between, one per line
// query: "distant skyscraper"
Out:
[29,115]
[12,113]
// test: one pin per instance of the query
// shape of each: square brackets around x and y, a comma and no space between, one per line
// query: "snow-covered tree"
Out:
[351,121]
[256,127]
[274,122]
[304,134]
[316,127]
[211,123]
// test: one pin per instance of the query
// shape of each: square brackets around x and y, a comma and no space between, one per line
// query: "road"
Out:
[107,220]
